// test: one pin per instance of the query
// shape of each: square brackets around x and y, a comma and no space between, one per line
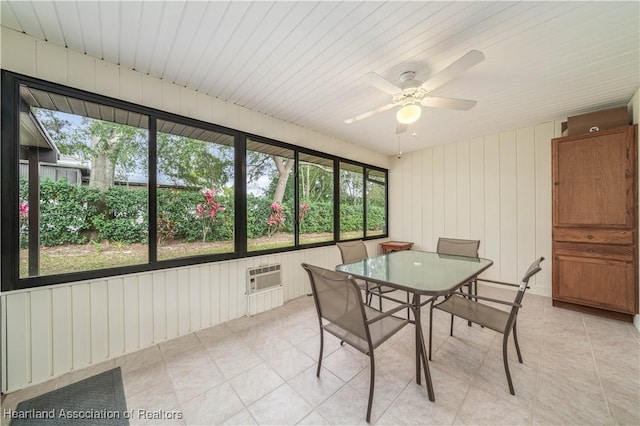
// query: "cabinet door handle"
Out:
[589,237]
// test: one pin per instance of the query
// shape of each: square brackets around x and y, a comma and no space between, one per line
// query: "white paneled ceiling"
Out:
[303,62]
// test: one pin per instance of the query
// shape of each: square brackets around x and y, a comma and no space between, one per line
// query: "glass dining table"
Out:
[421,274]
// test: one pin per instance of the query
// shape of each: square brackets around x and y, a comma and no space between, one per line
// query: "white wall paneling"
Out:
[495,188]
[53,330]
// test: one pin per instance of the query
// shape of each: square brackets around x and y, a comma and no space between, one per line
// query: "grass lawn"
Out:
[87,257]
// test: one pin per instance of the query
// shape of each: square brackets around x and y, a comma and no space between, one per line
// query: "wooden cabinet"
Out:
[595,237]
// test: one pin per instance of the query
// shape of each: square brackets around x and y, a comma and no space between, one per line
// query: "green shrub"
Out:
[125,217]
[65,212]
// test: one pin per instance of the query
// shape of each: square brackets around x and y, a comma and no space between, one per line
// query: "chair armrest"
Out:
[488,299]
[389,313]
[499,282]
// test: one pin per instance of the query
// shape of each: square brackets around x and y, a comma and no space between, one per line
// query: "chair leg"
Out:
[470,288]
[506,362]
[321,349]
[430,327]
[451,331]
[515,339]
[372,379]
[380,299]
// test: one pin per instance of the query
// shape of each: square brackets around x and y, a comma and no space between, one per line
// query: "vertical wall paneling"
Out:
[194,298]
[215,293]
[462,190]
[416,220]
[17,332]
[159,303]
[40,334]
[81,320]
[145,309]
[151,91]
[115,293]
[223,296]
[18,52]
[107,79]
[526,187]
[81,70]
[543,135]
[428,238]
[437,204]
[450,190]
[170,97]
[131,86]
[99,322]
[171,302]
[188,102]
[407,196]
[131,314]
[61,343]
[395,198]
[241,287]
[203,108]
[47,63]
[184,302]
[476,192]
[508,207]
[492,203]
[3,342]
[205,295]
[235,279]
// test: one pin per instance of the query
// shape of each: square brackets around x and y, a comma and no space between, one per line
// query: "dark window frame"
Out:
[9,173]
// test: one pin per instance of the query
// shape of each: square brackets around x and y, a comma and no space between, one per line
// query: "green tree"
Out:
[193,162]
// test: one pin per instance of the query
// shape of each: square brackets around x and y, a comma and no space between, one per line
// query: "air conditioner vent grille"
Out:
[264,277]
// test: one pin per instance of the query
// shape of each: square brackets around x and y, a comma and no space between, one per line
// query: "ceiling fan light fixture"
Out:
[409,114]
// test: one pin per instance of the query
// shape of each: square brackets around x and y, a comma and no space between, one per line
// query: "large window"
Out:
[270,196]
[83,186]
[316,206]
[376,185]
[195,195]
[96,187]
[351,201]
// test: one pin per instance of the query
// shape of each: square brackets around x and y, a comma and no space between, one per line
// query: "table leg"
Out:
[421,351]
[416,316]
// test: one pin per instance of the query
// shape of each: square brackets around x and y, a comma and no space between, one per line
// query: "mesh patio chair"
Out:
[352,251]
[343,313]
[459,247]
[469,307]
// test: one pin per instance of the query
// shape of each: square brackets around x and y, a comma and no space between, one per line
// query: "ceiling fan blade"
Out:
[369,113]
[449,103]
[381,83]
[401,128]
[470,59]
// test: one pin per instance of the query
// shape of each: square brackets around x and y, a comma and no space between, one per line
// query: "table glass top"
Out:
[418,271]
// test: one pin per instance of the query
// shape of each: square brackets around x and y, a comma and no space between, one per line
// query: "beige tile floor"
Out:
[578,369]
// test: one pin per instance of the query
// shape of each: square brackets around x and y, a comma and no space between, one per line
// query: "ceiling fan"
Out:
[411,94]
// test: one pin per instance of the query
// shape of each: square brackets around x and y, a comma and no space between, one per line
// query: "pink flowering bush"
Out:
[277,218]
[24,223]
[207,212]
[304,208]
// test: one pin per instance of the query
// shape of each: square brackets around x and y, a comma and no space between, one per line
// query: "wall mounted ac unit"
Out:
[264,288]
[261,278]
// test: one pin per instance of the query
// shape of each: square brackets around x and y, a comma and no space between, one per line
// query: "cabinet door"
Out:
[602,283]
[594,179]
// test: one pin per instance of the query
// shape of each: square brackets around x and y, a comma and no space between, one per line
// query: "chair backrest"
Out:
[352,251]
[533,269]
[458,247]
[338,300]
